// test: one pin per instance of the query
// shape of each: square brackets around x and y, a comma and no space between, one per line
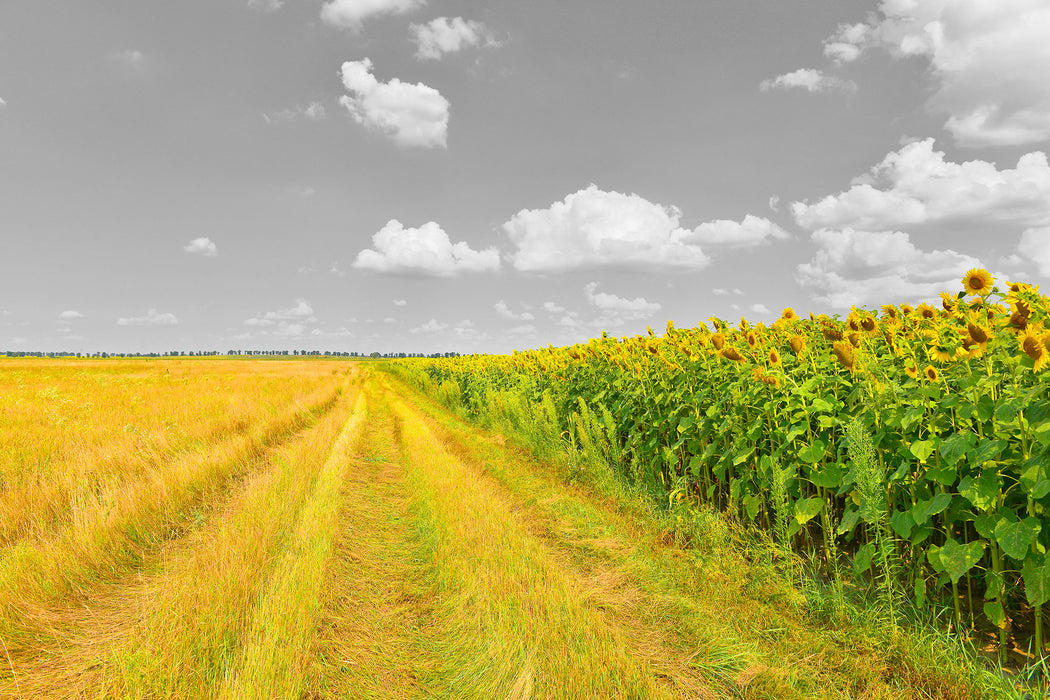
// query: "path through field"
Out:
[391,550]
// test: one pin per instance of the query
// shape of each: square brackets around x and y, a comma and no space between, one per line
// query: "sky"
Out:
[443,175]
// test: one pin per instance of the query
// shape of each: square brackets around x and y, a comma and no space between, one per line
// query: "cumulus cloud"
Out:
[1035,246]
[313,112]
[750,232]
[426,250]
[202,245]
[916,185]
[871,267]
[619,306]
[442,36]
[70,315]
[266,5]
[289,322]
[152,318]
[808,79]
[130,57]
[593,228]
[3,102]
[503,310]
[400,302]
[431,326]
[989,61]
[759,309]
[409,114]
[350,14]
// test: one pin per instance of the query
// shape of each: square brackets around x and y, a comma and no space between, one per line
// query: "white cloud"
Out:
[593,228]
[916,186]
[409,114]
[389,319]
[1035,246]
[152,318]
[774,202]
[266,5]
[3,102]
[400,302]
[808,79]
[873,267]
[720,292]
[551,307]
[431,326]
[288,321]
[503,310]
[70,315]
[349,14]
[426,250]
[759,309]
[989,61]
[313,112]
[202,245]
[442,36]
[619,306]
[750,232]
[130,57]
[524,329]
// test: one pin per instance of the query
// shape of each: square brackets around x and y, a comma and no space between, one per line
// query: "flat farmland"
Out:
[314,528]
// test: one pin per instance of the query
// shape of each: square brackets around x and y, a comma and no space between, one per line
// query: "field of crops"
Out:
[908,447]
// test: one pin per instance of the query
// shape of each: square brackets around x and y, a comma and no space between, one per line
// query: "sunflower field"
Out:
[909,444]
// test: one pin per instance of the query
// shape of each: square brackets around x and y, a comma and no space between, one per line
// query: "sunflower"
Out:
[868,324]
[926,311]
[731,353]
[670,327]
[911,369]
[889,311]
[797,343]
[752,339]
[931,373]
[744,325]
[907,308]
[854,339]
[948,302]
[978,281]
[830,332]
[1034,344]
[941,352]
[845,355]
[788,314]
[774,356]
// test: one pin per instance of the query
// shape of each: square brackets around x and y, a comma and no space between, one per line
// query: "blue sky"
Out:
[410,175]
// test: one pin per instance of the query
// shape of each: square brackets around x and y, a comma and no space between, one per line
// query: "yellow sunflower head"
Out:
[752,339]
[978,281]
[868,323]
[789,314]
[1034,344]
[774,356]
[731,353]
[931,373]
[845,355]
[718,340]
[907,308]
[926,311]
[911,369]
[889,311]
[797,343]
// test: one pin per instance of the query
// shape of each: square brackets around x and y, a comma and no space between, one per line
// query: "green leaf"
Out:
[862,559]
[912,416]
[942,475]
[986,449]
[819,404]
[1007,410]
[956,446]
[920,591]
[1041,433]
[813,453]
[807,509]
[830,476]
[985,408]
[922,449]
[993,610]
[957,558]
[742,455]
[902,523]
[924,510]
[985,525]
[849,521]
[1036,580]
[982,492]
[1016,537]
